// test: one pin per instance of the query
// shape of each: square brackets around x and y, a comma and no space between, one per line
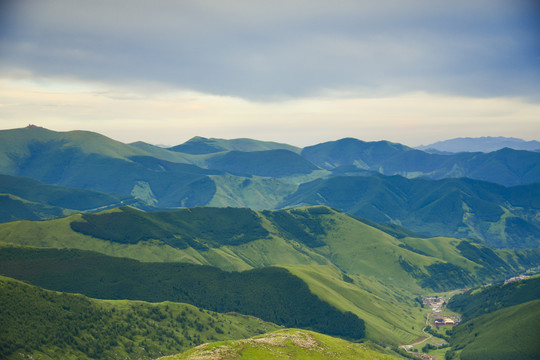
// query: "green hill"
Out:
[500,216]
[489,299]
[36,323]
[91,161]
[69,198]
[284,344]
[14,208]
[501,322]
[509,333]
[391,314]
[200,145]
[238,239]
[272,294]
[374,273]
[254,192]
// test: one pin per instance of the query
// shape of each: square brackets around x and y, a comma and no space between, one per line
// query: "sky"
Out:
[300,72]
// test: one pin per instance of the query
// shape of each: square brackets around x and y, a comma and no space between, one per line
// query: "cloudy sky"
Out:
[301,72]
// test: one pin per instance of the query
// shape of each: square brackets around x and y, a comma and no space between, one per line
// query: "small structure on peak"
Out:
[32,126]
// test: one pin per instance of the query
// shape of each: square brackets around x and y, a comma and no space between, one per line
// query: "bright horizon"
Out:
[298,73]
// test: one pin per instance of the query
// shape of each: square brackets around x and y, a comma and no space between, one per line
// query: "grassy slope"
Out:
[14,208]
[503,217]
[270,293]
[390,314]
[254,193]
[239,239]
[236,239]
[58,233]
[492,298]
[382,292]
[92,161]
[50,325]
[63,197]
[18,141]
[510,333]
[284,344]
[360,249]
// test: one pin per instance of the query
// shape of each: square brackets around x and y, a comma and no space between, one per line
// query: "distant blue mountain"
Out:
[481,144]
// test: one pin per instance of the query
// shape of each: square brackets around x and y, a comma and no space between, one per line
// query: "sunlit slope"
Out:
[505,311]
[251,192]
[236,239]
[48,325]
[284,344]
[500,216]
[232,239]
[509,333]
[392,315]
[347,263]
[492,298]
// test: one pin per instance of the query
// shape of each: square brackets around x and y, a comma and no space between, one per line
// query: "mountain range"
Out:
[380,181]
[132,250]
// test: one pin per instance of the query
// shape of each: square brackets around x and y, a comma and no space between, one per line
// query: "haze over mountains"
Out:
[342,238]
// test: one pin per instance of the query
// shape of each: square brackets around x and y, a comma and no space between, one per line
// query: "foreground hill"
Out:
[272,294]
[500,216]
[492,298]
[509,333]
[500,322]
[373,273]
[283,344]
[36,323]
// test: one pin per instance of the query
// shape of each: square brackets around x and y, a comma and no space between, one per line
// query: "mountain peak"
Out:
[32,126]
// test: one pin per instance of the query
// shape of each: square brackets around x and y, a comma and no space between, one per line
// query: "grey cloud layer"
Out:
[263,49]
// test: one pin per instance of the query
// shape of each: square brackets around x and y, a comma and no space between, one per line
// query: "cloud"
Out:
[268,50]
[168,116]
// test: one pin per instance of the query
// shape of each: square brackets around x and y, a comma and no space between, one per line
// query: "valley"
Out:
[345,247]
